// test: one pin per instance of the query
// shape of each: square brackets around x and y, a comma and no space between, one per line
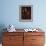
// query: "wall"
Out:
[10,13]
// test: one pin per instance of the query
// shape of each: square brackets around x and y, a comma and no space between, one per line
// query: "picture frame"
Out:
[25,13]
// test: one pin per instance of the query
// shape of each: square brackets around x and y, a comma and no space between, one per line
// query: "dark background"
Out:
[25,13]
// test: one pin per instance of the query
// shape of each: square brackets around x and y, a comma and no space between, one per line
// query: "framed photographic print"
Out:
[25,13]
